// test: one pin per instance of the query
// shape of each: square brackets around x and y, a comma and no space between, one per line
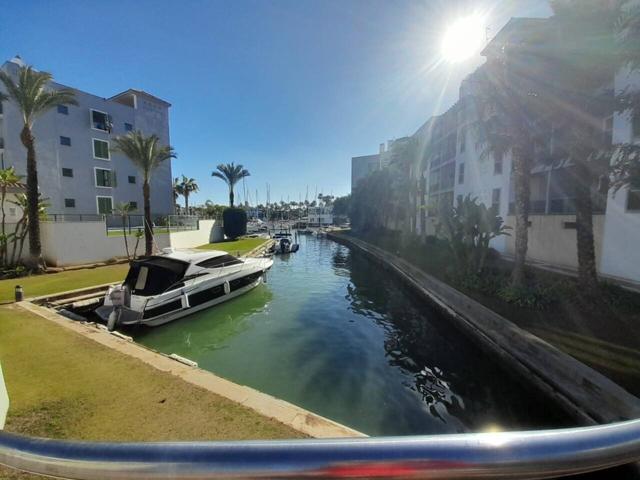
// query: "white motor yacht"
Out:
[163,288]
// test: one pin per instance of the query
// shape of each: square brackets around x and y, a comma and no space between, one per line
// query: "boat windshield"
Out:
[154,275]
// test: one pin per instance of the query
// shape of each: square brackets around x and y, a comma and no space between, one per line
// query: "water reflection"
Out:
[336,334]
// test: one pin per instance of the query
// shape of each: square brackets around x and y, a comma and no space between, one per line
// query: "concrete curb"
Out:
[586,394]
[295,417]
[260,249]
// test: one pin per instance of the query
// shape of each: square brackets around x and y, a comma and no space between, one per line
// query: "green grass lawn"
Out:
[63,385]
[235,247]
[37,285]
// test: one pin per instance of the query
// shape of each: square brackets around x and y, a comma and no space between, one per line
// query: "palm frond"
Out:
[32,95]
[144,151]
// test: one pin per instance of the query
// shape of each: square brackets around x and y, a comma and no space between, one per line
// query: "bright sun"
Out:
[463,38]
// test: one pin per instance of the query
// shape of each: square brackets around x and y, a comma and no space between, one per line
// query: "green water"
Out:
[335,334]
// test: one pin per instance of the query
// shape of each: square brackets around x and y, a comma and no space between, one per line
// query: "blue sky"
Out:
[291,89]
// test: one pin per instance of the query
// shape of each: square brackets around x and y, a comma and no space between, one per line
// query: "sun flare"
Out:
[463,38]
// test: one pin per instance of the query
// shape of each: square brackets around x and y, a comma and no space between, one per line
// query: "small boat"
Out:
[163,288]
[283,244]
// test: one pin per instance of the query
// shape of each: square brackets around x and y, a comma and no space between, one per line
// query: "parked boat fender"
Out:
[227,288]
[185,300]
[114,319]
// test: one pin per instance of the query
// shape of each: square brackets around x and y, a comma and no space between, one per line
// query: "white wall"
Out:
[193,238]
[620,252]
[76,243]
[551,242]
[480,180]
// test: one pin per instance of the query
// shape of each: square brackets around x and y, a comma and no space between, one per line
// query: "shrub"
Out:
[468,229]
[536,297]
[235,222]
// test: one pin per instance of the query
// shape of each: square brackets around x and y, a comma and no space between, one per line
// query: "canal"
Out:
[333,333]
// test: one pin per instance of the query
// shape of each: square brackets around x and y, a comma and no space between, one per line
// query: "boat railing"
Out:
[513,455]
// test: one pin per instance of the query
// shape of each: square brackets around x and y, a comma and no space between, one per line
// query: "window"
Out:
[132,179]
[100,121]
[133,205]
[65,141]
[461,174]
[463,139]
[497,166]
[495,199]
[635,126]
[128,127]
[607,130]
[100,149]
[105,178]
[67,172]
[633,200]
[105,205]
[221,261]
[69,203]
[63,109]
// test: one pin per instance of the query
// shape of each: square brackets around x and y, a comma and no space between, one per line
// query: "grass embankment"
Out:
[235,247]
[45,284]
[63,385]
[603,335]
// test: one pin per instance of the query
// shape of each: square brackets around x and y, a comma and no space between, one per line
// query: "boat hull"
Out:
[170,317]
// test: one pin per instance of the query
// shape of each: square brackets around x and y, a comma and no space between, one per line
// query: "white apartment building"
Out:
[78,172]
[450,165]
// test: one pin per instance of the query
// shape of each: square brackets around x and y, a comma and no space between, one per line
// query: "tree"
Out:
[341,206]
[626,157]
[8,179]
[403,162]
[147,154]
[231,174]
[583,66]
[505,100]
[33,97]
[372,201]
[177,191]
[123,210]
[186,187]
[22,227]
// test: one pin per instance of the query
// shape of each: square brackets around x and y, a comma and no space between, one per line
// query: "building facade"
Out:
[78,170]
[450,163]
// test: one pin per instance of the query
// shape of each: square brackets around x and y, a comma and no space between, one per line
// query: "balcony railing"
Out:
[509,455]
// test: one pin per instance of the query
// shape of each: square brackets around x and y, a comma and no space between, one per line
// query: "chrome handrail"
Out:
[512,455]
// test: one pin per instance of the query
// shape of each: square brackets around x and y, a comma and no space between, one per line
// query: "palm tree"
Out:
[584,65]
[32,97]
[147,154]
[123,210]
[177,191]
[231,174]
[506,117]
[22,227]
[8,179]
[626,164]
[187,186]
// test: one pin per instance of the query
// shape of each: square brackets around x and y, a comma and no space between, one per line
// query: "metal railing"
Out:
[132,222]
[512,455]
